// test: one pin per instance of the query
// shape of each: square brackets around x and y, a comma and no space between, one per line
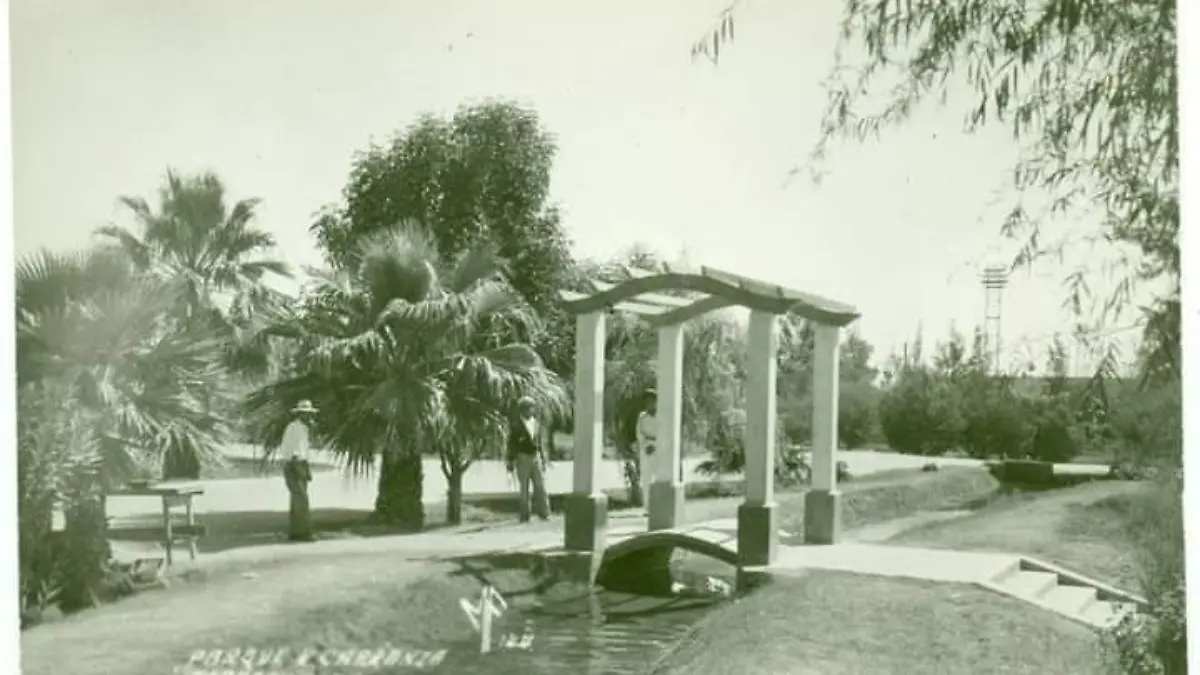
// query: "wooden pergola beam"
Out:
[684,314]
[732,288]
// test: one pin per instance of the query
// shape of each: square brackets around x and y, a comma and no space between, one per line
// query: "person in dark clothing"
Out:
[525,457]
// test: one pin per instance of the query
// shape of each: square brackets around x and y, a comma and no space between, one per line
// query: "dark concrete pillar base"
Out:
[585,523]
[822,517]
[751,579]
[580,567]
[666,506]
[758,537]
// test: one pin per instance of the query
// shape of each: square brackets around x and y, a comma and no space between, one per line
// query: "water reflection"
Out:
[586,632]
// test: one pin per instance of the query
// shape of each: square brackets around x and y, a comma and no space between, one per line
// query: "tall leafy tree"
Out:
[404,353]
[482,176]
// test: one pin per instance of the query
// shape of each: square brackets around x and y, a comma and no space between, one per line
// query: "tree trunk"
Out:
[398,501]
[85,551]
[454,495]
[180,465]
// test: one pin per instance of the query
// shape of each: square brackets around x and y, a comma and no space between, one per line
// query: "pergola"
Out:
[704,290]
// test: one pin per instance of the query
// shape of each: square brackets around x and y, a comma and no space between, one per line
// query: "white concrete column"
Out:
[761,348]
[670,404]
[589,401]
[825,408]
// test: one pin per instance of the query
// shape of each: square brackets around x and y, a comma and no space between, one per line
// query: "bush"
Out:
[1153,641]
[727,448]
[1054,432]
[995,420]
[929,467]
[1147,425]
[858,422]
[921,415]
[58,467]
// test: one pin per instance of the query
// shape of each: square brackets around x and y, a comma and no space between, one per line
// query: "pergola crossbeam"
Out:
[734,289]
[650,311]
[660,299]
[684,314]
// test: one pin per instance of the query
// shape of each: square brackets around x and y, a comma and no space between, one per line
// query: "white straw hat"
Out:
[304,406]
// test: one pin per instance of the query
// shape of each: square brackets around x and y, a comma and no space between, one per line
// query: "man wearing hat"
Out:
[296,472]
[525,457]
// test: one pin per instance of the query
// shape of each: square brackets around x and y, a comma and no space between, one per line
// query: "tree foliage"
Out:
[1088,88]
[110,386]
[405,354]
[858,396]
[480,177]
[196,239]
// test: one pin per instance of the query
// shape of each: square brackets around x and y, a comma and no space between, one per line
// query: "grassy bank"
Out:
[1079,528]
[830,623]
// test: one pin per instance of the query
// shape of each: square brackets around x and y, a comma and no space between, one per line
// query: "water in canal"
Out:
[570,629]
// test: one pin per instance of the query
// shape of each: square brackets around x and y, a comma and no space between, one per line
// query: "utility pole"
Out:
[994,278]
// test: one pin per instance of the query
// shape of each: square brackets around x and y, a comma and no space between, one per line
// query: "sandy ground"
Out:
[336,490]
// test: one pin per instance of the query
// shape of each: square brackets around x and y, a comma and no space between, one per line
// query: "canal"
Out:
[568,628]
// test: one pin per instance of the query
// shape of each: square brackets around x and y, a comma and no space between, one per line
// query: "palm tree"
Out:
[212,252]
[195,238]
[94,332]
[405,356]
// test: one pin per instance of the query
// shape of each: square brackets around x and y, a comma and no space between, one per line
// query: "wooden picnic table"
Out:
[172,494]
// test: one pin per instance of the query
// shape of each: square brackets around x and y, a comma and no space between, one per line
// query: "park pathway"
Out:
[335,490]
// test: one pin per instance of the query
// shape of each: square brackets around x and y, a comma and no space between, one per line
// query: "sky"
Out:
[276,96]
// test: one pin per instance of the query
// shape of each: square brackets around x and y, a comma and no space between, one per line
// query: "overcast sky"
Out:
[276,95]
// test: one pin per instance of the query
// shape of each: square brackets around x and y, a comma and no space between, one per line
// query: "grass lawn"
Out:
[1079,528]
[153,632]
[830,623]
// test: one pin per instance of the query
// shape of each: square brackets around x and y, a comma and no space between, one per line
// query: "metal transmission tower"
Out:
[994,279]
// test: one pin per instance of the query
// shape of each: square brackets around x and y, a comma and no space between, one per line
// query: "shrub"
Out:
[858,422]
[58,467]
[1147,425]
[1154,640]
[727,448]
[920,415]
[1054,433]
[929,467]
[995,420]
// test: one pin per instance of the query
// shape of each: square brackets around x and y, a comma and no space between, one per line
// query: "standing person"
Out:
[525,455]
[647,430]
[297,473]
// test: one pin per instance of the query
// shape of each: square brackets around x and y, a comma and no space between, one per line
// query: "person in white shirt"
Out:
[296,472]
[647,429]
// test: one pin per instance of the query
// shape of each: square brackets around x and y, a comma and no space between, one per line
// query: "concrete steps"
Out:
[1065,593]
